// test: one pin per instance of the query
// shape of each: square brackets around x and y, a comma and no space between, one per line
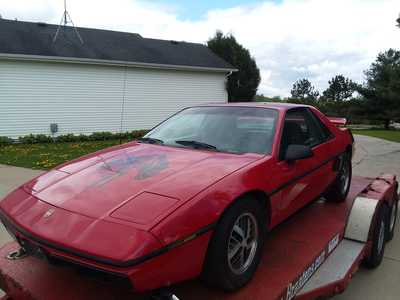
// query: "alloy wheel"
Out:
[243,243]
[345,175]
[381,239]
[393,216]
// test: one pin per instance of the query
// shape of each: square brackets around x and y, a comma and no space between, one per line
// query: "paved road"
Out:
[373,156]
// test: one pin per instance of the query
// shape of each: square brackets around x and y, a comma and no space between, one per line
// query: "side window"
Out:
[299,129]
[325,132]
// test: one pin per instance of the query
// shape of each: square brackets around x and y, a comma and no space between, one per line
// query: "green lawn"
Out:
[47,156]
[390,135]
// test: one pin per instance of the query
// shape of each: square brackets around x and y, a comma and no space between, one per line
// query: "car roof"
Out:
[283,106]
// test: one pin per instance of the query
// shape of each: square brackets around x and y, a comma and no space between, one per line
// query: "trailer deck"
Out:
[309,255]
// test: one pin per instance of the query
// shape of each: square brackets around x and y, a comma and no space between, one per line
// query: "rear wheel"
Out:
[378,238]
[341,186]
[235,249]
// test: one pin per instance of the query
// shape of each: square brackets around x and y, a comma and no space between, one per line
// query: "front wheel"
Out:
[341,186]
[236,246]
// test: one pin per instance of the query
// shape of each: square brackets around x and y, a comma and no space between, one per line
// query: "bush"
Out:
[101,136]
[35,139]
[4,140]
[136,134]
[82,138]
[69,138]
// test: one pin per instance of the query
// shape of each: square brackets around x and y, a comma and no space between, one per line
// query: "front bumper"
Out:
[176,262]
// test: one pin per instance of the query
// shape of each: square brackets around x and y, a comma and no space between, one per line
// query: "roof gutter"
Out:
[90,61]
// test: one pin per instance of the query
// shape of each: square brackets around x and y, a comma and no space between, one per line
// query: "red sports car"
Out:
[195,196]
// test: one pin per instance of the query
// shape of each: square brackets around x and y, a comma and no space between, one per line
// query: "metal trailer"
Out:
[314,253]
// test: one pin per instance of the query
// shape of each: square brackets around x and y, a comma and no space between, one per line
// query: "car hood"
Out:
[138,183]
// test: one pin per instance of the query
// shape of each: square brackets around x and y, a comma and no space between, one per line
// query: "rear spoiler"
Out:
[338,121]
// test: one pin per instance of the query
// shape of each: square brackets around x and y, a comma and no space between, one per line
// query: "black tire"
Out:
[218,270]
[340,188]
[378,238]
[392,220]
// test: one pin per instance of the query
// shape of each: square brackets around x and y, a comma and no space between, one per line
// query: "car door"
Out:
[303,180]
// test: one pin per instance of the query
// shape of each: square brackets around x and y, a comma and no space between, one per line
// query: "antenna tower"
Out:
[65,20]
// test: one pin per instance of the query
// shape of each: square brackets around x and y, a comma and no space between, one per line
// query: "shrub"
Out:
[137,134]
[4,140]
[82,138]
[35,139]
[68,138]
[101,136]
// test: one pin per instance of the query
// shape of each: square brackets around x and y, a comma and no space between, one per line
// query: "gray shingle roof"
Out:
[29,38]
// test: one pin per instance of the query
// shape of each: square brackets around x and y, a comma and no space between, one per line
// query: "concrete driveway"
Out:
[10,178]
[373,156]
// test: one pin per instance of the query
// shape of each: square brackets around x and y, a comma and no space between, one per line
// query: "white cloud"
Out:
[291,39]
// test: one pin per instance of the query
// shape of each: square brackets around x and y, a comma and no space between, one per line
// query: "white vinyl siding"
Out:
[88,98]
[151,96]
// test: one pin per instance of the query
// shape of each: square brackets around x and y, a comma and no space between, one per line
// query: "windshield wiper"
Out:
[196,144]
[151,140]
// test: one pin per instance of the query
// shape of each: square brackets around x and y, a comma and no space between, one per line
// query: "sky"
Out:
[290,39]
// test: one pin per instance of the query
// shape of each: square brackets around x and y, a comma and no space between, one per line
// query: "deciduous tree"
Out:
[382,89]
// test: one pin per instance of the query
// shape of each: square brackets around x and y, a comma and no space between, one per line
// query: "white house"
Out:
[113,81]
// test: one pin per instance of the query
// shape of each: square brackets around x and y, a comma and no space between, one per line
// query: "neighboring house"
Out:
[114,81]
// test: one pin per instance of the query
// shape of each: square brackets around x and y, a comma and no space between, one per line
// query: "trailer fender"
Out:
[360,219]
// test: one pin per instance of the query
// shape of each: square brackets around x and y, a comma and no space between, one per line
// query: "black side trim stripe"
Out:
[293,180]
[111,262]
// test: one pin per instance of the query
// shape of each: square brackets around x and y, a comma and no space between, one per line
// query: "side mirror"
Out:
[296,152]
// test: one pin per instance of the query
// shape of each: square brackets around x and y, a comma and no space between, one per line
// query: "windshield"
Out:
[226,129]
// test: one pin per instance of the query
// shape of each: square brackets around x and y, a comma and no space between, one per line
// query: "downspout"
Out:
[123,104]
[226,83]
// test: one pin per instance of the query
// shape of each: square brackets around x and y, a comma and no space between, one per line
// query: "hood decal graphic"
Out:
[152,165]
[147,166]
